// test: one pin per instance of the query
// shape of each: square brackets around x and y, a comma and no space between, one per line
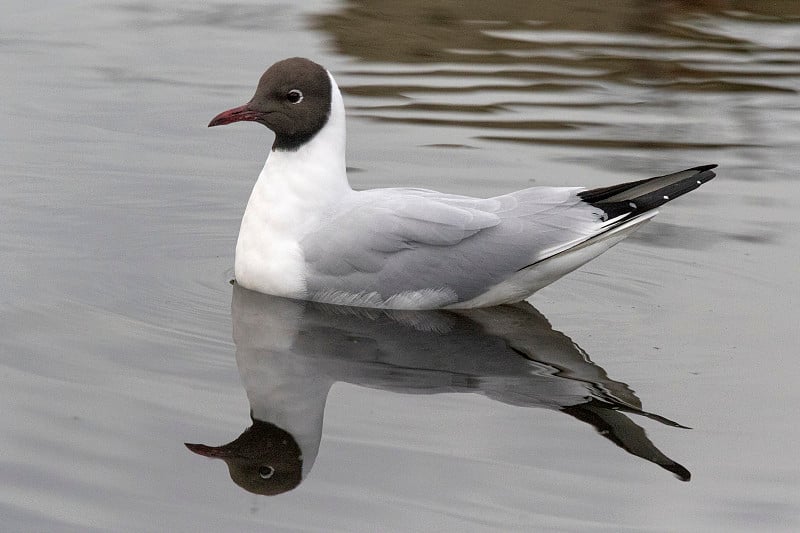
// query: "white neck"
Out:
[288,199]
[315,173]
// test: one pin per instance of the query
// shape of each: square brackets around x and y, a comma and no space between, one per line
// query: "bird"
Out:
[307,234]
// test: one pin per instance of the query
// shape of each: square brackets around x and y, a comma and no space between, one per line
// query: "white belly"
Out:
[268,260]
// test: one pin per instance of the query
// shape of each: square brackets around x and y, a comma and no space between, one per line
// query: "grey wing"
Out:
[382,243]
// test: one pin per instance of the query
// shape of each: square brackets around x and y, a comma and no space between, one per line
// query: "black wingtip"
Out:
[636,197]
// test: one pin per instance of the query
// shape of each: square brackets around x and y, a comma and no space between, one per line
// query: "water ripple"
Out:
[519,63]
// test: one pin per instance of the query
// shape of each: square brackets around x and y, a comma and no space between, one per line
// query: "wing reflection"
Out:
[290,353]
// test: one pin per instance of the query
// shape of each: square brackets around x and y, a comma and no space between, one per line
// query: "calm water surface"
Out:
[121,338]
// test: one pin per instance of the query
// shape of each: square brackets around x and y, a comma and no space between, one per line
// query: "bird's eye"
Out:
[266,472]
[294,96]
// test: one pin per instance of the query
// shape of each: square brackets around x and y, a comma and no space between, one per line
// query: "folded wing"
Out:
[382,243]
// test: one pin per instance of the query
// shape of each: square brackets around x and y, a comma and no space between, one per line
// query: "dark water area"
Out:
[654,389]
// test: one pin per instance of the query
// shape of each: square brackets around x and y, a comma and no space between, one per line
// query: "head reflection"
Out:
[289,354]
[263,460]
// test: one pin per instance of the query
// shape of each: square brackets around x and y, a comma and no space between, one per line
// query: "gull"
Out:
[306,234]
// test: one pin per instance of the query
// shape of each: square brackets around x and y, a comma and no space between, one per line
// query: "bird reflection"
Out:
[290,353]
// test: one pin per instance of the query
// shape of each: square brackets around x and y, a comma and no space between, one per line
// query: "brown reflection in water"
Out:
[416,31]
[618,143]
[630,41]
[619,54]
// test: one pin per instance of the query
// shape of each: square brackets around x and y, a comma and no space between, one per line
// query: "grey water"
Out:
[655,389]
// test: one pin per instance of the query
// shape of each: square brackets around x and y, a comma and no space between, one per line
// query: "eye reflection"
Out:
[266,472]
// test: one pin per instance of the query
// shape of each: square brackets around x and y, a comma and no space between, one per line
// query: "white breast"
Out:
[268,255]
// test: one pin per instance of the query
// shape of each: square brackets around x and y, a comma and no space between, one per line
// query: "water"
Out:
[120,212]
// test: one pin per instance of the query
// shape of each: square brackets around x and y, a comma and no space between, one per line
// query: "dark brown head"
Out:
[265,459]
[293,99]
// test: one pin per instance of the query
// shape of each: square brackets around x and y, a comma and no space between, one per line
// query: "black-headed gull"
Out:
[307,234]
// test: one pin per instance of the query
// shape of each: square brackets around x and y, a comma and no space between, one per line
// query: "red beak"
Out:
[235,115]
[207,451]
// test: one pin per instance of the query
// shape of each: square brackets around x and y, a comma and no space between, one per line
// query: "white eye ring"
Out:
[266,472]
[294,96]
